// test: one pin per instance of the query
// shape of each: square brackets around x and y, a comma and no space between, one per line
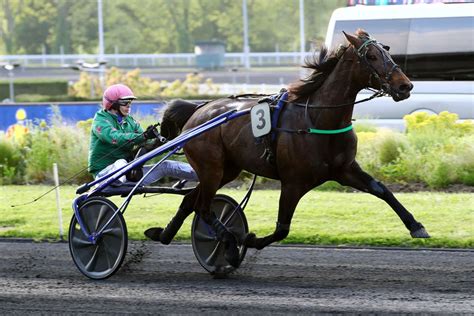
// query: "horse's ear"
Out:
[354,40]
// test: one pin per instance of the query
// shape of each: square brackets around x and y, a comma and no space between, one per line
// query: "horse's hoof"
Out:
[420,233]
[153,233]
[249,240]
[221,272]
[232,255]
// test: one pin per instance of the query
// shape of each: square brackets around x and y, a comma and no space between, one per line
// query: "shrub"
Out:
[436,150]
[58,143]
[10,161]
[31,86]
[390,147]
[88,86]
[365,127]
[48,98]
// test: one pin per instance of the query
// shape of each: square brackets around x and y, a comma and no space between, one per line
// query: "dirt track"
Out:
[40,278]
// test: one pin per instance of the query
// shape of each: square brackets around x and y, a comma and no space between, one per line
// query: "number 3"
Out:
[261,114]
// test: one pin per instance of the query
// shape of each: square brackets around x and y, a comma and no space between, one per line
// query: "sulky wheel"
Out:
[104,258]
[207,249]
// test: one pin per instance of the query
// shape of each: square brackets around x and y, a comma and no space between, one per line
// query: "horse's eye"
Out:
[387,48]
[371,57]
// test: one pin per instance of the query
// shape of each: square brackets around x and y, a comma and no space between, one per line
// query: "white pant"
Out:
[168,168]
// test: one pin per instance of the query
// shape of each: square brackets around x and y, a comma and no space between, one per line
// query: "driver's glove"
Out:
[151,132]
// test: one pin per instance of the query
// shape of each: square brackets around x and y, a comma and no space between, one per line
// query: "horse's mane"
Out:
[322,67]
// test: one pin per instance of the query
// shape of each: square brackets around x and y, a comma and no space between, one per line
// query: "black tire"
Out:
[207,249]
[101,260]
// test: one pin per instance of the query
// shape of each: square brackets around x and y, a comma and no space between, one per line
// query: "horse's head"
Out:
[383,73]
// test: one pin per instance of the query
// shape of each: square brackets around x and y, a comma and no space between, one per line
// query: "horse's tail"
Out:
[175,116]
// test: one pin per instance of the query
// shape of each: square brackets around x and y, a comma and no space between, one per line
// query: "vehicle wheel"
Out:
[207,249]
[104,258]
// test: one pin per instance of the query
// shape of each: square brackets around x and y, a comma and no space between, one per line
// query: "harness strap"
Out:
[277,109]
[376,94]
[330,131]
[316,131]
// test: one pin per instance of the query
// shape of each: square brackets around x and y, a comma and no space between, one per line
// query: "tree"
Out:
[84,26]
[157,26]
[34,26]
[10,9]
[62,29]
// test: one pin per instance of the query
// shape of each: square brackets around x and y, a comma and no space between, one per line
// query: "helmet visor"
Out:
[127,101]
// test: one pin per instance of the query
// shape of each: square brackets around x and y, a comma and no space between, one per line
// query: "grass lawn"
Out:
[321,218]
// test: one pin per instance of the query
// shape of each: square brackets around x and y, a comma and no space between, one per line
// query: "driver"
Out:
[114,133]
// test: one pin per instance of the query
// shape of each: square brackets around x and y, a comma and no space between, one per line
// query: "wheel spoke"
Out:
[113,231]
[199,236]
[213,256]
[93,260]
[107,255]
[81,243]
[100,217]
[225,211]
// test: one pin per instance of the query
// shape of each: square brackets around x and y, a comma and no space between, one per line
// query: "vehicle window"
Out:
[441,49]
[393,33]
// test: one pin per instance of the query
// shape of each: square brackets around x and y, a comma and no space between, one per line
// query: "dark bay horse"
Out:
[303,160]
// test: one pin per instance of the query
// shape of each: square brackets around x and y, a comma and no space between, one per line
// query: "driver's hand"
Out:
[151,132]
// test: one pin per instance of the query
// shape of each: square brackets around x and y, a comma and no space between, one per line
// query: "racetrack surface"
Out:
[40,278]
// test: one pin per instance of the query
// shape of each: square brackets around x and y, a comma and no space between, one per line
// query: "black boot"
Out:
[165,236]
[231,251]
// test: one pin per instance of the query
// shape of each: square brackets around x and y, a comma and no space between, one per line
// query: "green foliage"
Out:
[190,86]
[10,161]
[142,87]
[35,22]
[435,157]
[364,127]
[65,145]
[157,26]
[440,124]
[31,86]
[30,159]
[437,150]
[50,98]
[390,148]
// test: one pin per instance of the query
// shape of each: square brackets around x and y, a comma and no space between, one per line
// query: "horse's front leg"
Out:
[289,198]
[358,179]
[166,235]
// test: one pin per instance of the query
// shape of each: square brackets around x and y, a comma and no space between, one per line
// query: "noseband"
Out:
[362,54]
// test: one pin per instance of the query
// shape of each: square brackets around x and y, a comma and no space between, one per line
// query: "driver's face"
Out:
[125,109]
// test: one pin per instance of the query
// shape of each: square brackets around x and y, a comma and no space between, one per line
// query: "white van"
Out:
[434,46]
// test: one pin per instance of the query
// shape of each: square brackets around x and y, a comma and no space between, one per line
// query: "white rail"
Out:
[156,60]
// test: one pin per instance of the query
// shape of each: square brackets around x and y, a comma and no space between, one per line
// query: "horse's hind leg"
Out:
[289,198]
[211,182]
[358,179]
[166,235]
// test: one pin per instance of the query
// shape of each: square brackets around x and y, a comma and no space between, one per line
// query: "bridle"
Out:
[361,53]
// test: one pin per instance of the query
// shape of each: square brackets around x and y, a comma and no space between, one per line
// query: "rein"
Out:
[362,55]
[69,180]
[376,94]
[310,130]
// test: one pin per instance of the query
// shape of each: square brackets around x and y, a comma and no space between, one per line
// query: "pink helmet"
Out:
[115,93]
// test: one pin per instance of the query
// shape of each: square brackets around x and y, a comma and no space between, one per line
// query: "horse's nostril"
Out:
[405,87]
